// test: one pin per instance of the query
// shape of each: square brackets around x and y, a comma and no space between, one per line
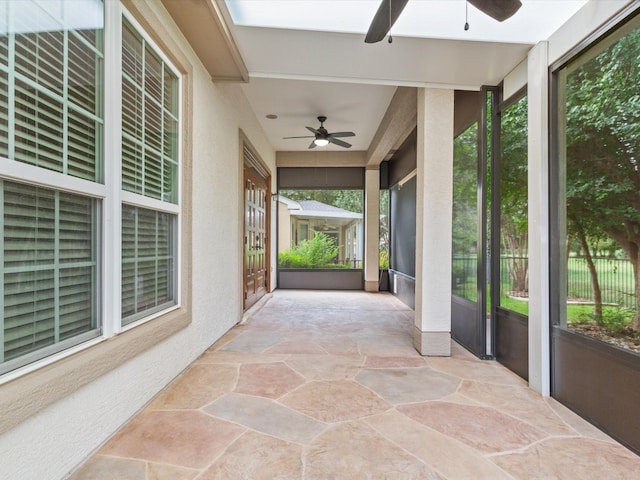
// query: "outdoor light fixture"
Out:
[321,142]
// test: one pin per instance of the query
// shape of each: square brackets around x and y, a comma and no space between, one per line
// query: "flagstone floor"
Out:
[327,385]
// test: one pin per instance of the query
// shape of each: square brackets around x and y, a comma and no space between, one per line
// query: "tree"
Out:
[514,219]
[465,191]
[465,213]
[602,146]
[350,200]
[579,228]
[384,237]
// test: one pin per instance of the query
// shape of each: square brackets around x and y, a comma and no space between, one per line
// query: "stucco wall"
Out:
[54,441]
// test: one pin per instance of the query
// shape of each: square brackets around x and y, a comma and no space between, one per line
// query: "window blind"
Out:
[51,117]
[50,267]
[150,169]
[147,262]
[52,100]
[51,82]
[149,120]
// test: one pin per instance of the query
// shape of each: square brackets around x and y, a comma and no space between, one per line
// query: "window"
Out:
[465,214]
[49,268]
[514,226]
[598,147]
[149,171]
[51,90]
[54,187]
[147,262]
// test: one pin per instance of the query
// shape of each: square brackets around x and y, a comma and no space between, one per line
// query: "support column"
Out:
[538,197]
[434,209]
[372,228]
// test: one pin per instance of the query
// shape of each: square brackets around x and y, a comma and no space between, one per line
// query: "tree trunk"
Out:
[516,244]
[519,275]
[595,284]
[631,245]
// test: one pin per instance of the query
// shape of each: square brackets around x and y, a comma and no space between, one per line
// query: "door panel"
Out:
[470,325]
[510,262]
[256,237]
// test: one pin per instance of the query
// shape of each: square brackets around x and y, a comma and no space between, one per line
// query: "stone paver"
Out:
[266,416]
[324,385]
[408,385]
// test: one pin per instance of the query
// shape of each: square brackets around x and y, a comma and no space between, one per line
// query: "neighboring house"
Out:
[300,220]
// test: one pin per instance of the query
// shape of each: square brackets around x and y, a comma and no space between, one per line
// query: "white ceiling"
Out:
[300,73]
[535,20]
[297,103]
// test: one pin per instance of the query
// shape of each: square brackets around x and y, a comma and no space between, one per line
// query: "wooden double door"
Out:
[257,199]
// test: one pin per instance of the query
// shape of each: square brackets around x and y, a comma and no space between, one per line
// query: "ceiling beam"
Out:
[398,122]
[320,158]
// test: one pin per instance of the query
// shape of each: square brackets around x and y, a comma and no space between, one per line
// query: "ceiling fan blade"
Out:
[499,10]
[342,134]
[312,144]
[340,143]
[313,130]
[306,136]
[387,14]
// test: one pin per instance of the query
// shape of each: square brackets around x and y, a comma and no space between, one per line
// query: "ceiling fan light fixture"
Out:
[321,142]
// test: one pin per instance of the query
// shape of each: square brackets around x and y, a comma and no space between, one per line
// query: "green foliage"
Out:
[350,200]
[514,164]
[515,305]
[615,320]
[465,185]
[514,220]
[383,261]
[383,234]
[602,125]
[579,314]
[318,252]
[458,273]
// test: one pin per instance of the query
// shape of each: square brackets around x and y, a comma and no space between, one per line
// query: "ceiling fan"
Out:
[321,137]
[389,11]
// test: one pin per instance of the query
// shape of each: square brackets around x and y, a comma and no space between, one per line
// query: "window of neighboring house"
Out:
[54,187]
[303,232]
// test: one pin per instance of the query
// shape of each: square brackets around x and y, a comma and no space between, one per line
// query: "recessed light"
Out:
[272,116]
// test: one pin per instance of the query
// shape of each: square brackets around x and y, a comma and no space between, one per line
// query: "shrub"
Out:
[615,320]
[318,252]
[383,259]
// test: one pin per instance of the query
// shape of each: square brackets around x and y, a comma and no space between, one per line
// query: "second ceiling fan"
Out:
[389,11]
[322,137]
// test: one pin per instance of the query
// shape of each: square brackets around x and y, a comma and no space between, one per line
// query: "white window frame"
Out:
[109,195]
[138,200]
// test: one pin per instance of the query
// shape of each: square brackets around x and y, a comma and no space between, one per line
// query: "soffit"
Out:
[204,27]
